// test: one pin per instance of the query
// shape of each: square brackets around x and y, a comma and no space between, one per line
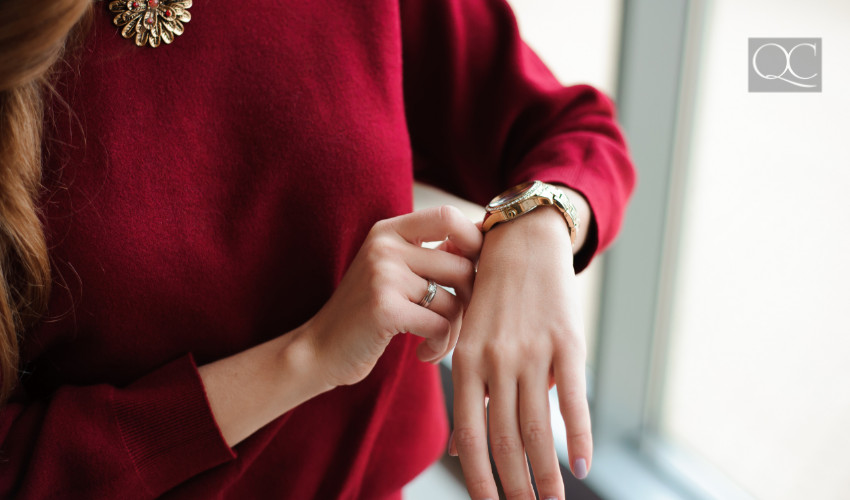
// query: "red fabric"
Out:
[208,195]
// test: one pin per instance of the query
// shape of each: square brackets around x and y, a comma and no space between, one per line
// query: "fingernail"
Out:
[580,468]
[551,498]
[450,450]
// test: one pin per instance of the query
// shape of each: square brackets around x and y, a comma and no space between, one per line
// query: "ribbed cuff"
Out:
[168,427]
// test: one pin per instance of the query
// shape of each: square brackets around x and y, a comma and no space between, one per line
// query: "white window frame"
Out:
[659,64]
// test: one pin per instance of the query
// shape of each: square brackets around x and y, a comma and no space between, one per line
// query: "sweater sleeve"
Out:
[107,442]
[484,113]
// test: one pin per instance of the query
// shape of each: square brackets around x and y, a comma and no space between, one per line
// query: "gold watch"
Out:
[521,199]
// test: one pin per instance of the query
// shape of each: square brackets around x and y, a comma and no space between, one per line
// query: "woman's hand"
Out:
[523,331]
[379,295]
[377,298]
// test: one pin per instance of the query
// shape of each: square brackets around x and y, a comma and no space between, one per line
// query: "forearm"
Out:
[248,390]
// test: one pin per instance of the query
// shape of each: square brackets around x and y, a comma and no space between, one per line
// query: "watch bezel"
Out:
[521,192]
[523,198]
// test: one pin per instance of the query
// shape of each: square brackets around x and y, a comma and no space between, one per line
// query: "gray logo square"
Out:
[785,64]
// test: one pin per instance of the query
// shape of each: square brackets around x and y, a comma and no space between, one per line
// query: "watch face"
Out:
[511,194]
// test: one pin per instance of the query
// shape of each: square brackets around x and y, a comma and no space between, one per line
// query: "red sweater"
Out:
[208,195]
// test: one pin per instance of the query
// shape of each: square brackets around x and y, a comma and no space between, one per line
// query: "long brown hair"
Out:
[34,35]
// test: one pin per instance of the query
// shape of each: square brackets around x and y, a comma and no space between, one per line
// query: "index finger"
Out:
[437,224]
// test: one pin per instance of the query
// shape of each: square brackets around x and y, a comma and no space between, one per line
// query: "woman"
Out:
[220,208]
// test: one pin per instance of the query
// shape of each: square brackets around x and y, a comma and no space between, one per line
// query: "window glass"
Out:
[757,372]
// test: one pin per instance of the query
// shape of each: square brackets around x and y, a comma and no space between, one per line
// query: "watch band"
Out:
[524,198]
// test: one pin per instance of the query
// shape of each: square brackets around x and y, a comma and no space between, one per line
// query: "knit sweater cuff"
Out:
[168,427]
[603,177]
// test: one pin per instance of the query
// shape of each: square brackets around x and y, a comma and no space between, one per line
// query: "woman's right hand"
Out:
[379,295]
[377,298]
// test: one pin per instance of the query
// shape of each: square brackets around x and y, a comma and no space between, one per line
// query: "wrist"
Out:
[541,220]
[303,362]
[530,199]
[528,254]
[543,227]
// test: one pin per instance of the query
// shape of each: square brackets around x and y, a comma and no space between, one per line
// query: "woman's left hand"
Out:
[523,331]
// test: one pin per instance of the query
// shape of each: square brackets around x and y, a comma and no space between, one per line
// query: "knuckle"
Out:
[449,215]
[572,400]
[536,432]
[382,248]
[464,269]
[467,439]
[548,480]
[381,227]
[579,436]
[535,349]
[478,486]
[578,349]
[497,352]
[504,444]
[443,326]
[463,358]
[571,345]
[519,493]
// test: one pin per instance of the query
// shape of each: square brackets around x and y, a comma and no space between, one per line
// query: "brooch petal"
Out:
[151,21]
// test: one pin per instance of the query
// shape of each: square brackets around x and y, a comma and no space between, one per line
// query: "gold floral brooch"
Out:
[151,21]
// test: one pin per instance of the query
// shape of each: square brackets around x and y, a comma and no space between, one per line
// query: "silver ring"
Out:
[429,295]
